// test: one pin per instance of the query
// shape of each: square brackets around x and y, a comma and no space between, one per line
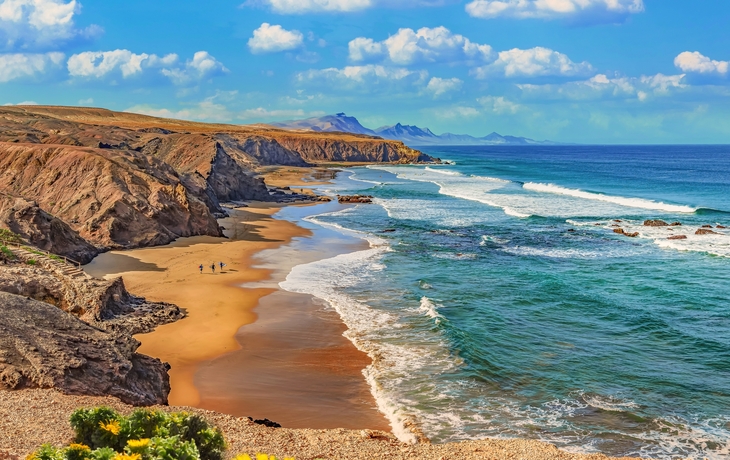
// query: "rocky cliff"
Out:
[43,230]
[122,180]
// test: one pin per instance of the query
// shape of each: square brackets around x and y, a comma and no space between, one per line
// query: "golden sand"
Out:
[216,306]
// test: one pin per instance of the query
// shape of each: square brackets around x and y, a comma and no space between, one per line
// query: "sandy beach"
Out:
[291,364]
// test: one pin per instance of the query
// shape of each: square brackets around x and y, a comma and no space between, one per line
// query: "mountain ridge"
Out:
[409,134]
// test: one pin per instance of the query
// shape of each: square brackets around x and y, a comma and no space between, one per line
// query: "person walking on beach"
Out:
[222,265]
[212,268]
[201,269]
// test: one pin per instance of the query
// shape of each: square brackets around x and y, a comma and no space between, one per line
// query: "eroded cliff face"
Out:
[123,180]
[44,347]
[43,230]
[112,198]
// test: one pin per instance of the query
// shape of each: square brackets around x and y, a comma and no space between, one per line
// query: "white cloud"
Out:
[207,110]
[339,6]
[595,10]
[457,112]
[201,67]
[313,6]
[603,87]
[22,103]
[100,64]
[35,24]
[261,113]
[362,74]
[439,86]
[697,63]
[407,46]
[534,62]
[86,102]
[499,104]
[17,66]
[272,39]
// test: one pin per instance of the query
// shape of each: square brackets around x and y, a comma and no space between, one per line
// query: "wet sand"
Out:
[290,364]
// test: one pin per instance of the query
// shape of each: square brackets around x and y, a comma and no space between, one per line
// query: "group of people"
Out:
[212,267]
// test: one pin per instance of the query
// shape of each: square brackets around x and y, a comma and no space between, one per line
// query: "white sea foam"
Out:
[397,357]
[619,200]
[443,171]
[430,309]
[429,211]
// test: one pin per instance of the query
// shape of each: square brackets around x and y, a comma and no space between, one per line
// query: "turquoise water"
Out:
[501,303]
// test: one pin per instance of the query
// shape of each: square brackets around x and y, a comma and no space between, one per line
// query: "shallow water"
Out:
[503,304]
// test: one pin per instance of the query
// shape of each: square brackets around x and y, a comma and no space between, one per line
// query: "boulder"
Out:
[655,223]
[676,224]
[678,237]
[707,226]
[720,226]
[706,231]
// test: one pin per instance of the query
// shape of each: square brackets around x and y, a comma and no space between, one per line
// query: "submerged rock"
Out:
[678,237]
[354,198]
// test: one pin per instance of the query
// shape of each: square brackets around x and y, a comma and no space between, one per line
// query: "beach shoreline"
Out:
[245,336]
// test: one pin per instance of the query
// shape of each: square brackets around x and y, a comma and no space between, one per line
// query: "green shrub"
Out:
[55,257]
[12,237]
[31,262]
[7,253]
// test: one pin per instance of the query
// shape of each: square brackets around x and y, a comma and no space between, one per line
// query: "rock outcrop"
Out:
[677,237]
[621,231]
[112,198]
[43,230]
[123,180]
[44,347]
[706,231]
[655,223]
[354,198]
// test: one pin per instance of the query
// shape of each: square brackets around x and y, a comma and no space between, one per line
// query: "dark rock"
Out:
[678,237]
[706,231]
[354,198]
[388,230]
[632,235]
[720,226]
[707,226]
[655,223]
[266,422]
[676,224]
[571,229]
[619,231]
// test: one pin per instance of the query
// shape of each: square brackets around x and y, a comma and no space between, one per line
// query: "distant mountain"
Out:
[410,135]
[339,122]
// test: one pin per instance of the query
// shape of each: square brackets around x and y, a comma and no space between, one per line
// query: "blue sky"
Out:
[588,71]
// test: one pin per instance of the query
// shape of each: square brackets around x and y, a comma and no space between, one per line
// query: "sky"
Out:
[584,71]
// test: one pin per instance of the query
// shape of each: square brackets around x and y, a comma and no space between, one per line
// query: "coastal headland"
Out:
[157,199]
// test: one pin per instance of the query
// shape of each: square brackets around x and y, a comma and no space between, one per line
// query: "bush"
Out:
[7,253]
[31,262]
[104,434]
[7,235]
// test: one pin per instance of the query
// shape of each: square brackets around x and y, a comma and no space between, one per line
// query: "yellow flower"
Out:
[127,457]
[79,447]
[138,442]
[262,457]
[112,427]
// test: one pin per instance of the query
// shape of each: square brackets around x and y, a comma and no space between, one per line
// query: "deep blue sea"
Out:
[500,301]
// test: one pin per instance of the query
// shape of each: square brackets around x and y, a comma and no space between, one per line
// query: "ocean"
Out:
[497,300]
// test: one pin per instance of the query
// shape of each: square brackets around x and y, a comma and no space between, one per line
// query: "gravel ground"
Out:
[29,418]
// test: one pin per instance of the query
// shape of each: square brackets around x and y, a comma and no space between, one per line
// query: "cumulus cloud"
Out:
[201,67]
[603,87]
[457,112]
[697,63]
[407,46]
[591,10]
[362,74]
[20,66]
[499,104]
[439,86]
[534,62]
[272,39]
[124,63]
[40,24]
